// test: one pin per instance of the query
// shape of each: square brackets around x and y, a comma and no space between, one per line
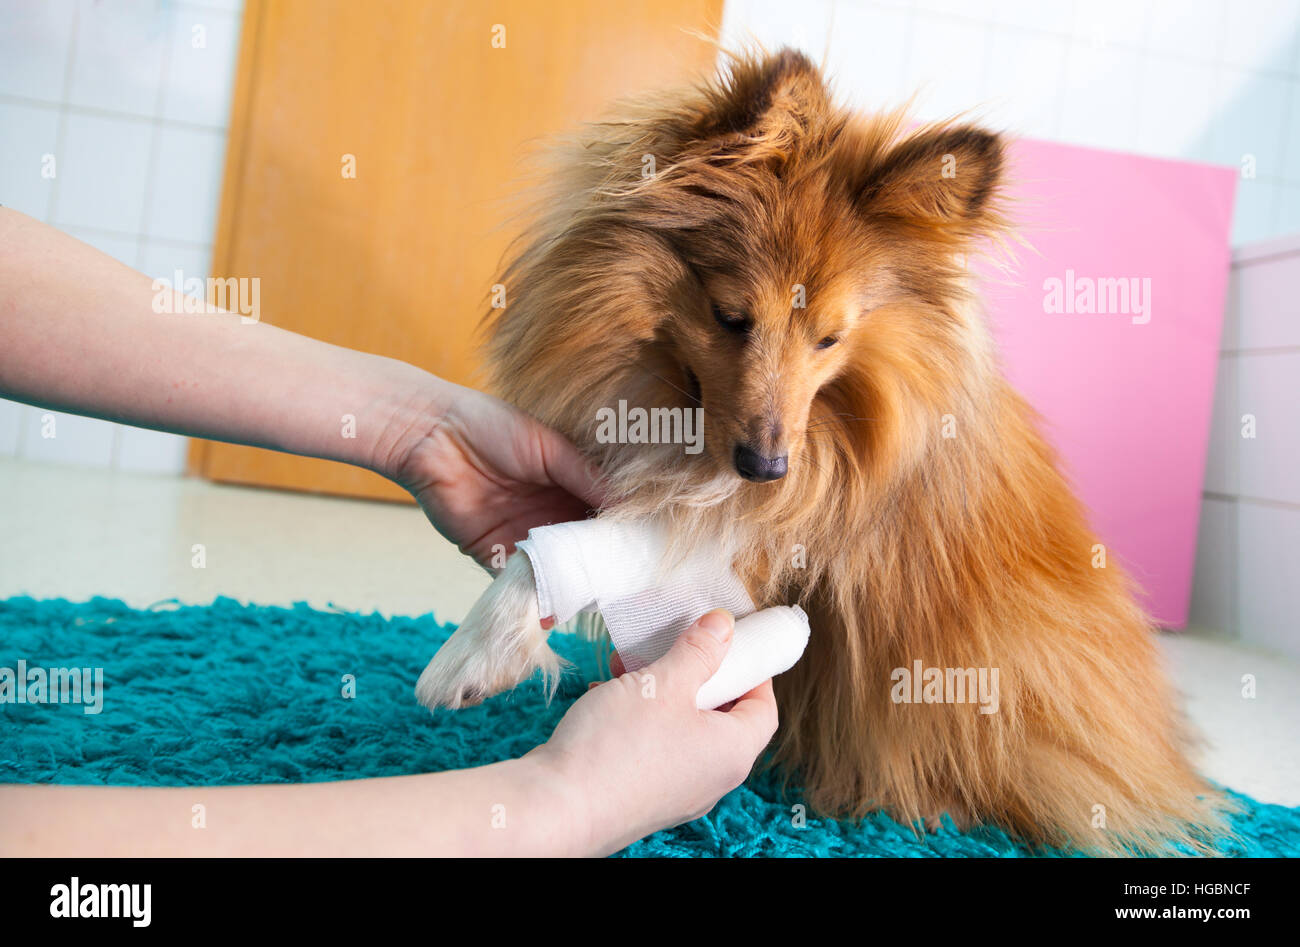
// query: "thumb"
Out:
[696,655]
[565,466]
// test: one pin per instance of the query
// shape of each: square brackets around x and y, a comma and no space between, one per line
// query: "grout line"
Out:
[1058,113]
[1266,350]
[147,243]
[168,243]
[1287,111]
[1234,573]
[26,412]
[909,31]
[93,111]
[61,130]
[20,444]
[1252,501]
[207,8]
[986,42]
[1266,250]
[155,134]
[1234,538]
[115,447]
[1145,56]
[1214,127]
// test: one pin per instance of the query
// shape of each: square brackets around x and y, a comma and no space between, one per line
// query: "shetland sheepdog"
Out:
[800,272]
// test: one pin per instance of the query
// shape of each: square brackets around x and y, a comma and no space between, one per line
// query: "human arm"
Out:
[80,334]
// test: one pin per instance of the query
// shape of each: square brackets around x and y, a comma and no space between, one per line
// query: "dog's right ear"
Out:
[764,101]
[946,176]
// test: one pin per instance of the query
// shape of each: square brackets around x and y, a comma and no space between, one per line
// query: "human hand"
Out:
[485,473]
[636,756]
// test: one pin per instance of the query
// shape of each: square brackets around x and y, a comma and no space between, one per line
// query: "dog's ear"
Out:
[772,98]
[945,176]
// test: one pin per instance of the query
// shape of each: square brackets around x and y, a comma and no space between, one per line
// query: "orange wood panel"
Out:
[400,259]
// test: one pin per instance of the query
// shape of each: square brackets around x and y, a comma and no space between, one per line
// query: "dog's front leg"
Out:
[499,644]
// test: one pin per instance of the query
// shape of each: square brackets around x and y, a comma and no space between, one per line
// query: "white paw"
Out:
[466,671]
[500,644]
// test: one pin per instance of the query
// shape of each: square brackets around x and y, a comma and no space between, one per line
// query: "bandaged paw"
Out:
[625,570]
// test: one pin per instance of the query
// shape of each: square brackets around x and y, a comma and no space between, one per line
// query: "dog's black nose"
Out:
[752,465]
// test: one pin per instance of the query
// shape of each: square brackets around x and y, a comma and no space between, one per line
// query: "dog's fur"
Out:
[963,551]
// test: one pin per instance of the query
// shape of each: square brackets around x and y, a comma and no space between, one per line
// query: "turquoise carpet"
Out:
[243,694]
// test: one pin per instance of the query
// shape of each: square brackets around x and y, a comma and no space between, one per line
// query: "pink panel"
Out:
[1125,395]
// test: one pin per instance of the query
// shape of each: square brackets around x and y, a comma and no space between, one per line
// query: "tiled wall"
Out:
[1203,80]
[1248,555]
[131,99]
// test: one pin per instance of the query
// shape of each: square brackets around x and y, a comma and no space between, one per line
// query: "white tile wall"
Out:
[103,173]
[117,61]
[11,419]
[54,437]
[35,44]
[131,98]
[1268,573]
[1201,80]
[30,133]
[1268,388]
[1248,547]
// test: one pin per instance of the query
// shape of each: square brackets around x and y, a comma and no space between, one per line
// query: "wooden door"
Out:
[438,120]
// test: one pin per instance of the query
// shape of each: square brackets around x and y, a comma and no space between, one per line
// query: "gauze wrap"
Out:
[622,569]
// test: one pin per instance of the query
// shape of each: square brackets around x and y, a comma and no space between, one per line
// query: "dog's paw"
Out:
[466,671]
[500,644]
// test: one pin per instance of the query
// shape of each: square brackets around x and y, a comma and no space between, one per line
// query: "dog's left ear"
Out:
[945,176]
[782,86]
[779,99]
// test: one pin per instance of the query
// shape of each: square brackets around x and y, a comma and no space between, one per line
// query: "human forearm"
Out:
[511,808]
[80,334]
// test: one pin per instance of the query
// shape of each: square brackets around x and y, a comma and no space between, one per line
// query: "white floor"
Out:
[79,532]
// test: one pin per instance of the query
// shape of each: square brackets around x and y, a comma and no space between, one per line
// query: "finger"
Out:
[616,666]
[756,714]
[565,466]
[697,654]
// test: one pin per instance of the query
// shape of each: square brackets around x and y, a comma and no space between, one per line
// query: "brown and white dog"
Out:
[799,272]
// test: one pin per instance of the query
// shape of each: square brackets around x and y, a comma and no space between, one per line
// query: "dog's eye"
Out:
[732,322]
[827,342]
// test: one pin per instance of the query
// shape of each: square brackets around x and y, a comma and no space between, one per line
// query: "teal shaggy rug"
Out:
[229,693]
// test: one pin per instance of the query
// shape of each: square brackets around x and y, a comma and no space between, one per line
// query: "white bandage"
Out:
[622,569]
[766,643]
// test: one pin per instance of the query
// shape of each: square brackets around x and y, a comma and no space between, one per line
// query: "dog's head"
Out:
[793,269]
